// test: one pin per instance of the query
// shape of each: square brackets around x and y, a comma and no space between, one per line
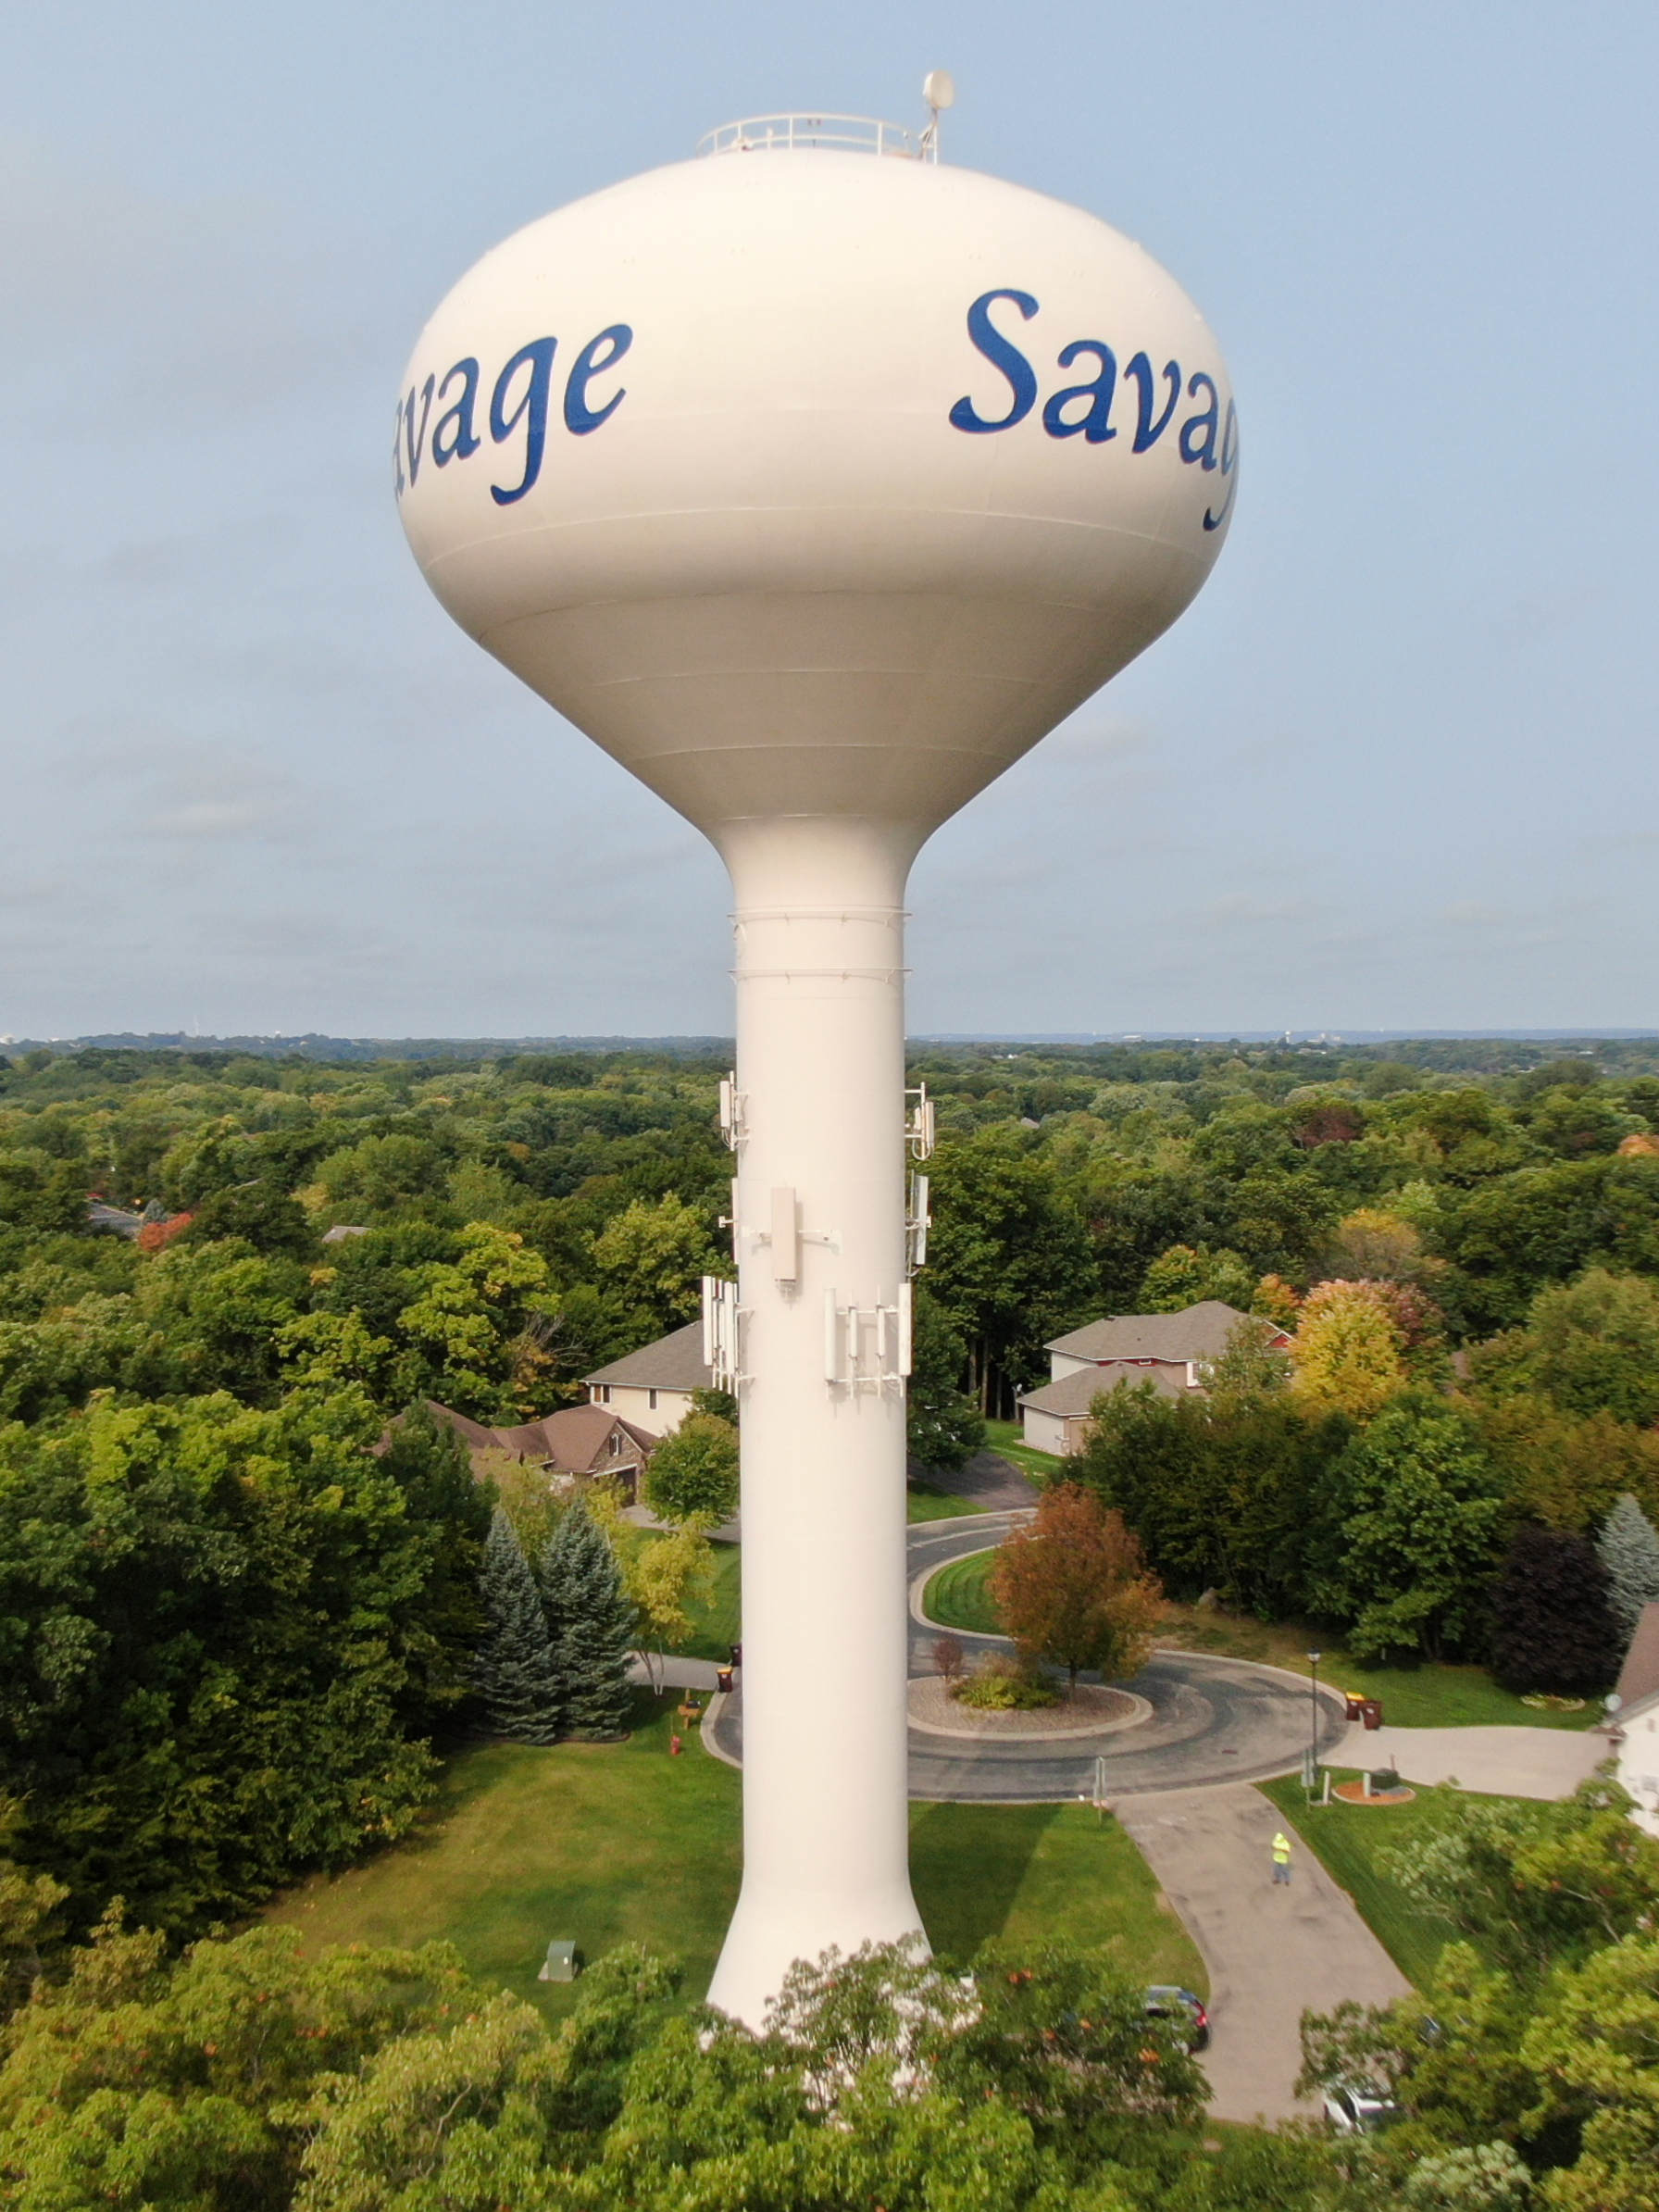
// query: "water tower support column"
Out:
[821,1254]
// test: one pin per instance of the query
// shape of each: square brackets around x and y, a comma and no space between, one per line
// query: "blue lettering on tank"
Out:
[1095,425]
[1085,410]
[1147,431]
[465,440]
[454,435]
[1005,357]
[579,419]
[1198,432]
[414,439]
[532,409]
[1229,461]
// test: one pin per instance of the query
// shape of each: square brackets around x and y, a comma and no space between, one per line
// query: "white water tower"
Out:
[817,481]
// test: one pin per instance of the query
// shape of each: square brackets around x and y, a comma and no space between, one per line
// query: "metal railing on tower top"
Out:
[840,133]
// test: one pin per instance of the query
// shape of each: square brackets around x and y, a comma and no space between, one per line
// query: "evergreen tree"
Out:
[428,1463]
[1628,1549]
[514,1670]
[592,1625]
[1550,1626]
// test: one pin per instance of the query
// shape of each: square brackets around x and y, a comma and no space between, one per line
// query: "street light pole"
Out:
[1313,1713]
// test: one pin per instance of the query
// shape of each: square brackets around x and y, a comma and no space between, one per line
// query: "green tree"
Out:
[1594,2047]
[463,1329]
[1628,1548]
[1187,1273]
[591,1623]
[514,1671]
[209,1317]
[662,1575]
[30,1924]
[188,2086]
[654,1255]
[691,1475]
[1224,1493]
[1591,1347]
[1537,1226]
[1413,1533]
[1009,1263]
[431,1466]
[943,1427]
[381,1175]
[216,1629]
[260,1213]
[41,1193]
[1537,1885]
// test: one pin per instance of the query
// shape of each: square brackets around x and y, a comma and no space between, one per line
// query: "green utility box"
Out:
[560,1964]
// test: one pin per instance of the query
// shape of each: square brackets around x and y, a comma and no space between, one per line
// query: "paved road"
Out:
[1270,1951]
[1212,1719]
[1180,1786]
[1510,1762]
[991,1481]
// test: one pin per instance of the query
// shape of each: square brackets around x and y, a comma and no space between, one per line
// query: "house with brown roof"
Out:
[652,1388]
[578,1442]
[1637,1720]
[1171,1350]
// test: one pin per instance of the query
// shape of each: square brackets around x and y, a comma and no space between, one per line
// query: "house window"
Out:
[615,1444]
[605,1394]
[651,1399]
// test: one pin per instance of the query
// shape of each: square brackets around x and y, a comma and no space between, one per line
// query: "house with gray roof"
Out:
[1171,1350]
[650,1389]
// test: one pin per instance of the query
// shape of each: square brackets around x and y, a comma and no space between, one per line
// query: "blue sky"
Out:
[1395,768]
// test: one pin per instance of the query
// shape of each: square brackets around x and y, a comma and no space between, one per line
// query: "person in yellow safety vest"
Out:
[1281,1857]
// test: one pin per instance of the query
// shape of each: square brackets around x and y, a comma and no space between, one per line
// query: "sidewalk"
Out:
[674,1673]
[1501,1761]
[1271,1952]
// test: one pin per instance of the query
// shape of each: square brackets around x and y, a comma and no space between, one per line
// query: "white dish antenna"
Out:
[939,90]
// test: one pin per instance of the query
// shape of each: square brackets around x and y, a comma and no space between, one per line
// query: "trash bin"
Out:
[737,1655]
[723,1680]
[1357,1706]
[1370,1711]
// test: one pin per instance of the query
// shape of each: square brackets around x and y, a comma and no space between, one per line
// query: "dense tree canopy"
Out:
[233,1626]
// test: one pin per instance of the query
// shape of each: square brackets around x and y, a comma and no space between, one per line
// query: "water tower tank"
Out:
[816,481]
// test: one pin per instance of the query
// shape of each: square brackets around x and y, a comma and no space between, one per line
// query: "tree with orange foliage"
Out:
[1072,1587]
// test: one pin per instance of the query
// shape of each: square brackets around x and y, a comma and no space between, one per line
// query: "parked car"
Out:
[1358,2107]
[1166,2002]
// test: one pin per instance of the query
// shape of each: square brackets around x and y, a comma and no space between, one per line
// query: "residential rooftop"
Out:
[674,1362]
[1198,1332]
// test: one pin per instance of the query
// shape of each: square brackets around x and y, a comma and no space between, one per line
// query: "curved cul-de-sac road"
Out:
[1270,1951]
[1212,1720]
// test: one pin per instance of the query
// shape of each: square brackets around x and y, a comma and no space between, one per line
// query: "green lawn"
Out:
[604,1843]
[1430,1695]
[1044,1872]
[1351,1840]
[611,1844]
[959,1596]
[924,1503]
[1004,1437]
[717,1623]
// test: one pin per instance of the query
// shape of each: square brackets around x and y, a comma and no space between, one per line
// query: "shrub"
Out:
[999,1685]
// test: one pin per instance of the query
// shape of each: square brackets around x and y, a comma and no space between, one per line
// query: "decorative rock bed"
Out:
[1353,1792]
[1091,1710]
